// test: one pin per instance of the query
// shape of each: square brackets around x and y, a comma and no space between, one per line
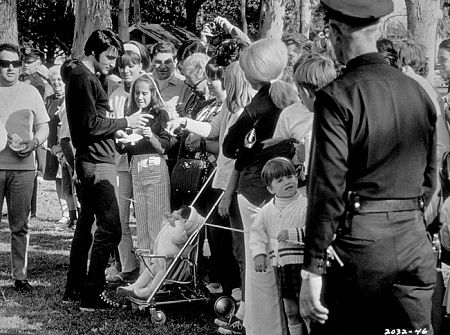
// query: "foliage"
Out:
[45,24]
[230,9]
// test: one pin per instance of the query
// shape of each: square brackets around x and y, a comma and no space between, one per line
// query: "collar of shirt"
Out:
[366,59]
[172,80]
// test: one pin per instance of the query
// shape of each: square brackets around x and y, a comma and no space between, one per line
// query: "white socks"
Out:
[241,311]
[295,329]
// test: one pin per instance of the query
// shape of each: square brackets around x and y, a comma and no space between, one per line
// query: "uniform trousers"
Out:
[388,276]
[99,203]
[17,187]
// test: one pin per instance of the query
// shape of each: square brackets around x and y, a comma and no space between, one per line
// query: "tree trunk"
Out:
[422,18]
[90,15]
[305,17]
[273,19]
[192,8]
[137,12]
[8,22]
[124,11]
[261,11]
[243,16]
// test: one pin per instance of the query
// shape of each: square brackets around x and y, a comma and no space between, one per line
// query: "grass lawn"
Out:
[42,311]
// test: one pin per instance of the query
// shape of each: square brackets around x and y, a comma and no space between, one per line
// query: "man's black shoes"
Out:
[22,285]
[98,303]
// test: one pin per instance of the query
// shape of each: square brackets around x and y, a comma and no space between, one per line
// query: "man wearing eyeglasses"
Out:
[172,88]
[24,115]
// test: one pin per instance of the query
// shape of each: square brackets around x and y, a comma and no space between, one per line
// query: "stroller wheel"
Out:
[159,318]
[225,306]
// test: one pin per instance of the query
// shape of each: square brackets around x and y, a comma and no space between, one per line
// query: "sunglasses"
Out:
[7,63]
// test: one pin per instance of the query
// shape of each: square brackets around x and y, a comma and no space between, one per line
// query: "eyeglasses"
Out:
[7,63]
[194,87]
[166,62]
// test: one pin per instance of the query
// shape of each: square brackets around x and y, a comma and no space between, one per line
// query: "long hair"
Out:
[239,91]
[156,104]
[143,52]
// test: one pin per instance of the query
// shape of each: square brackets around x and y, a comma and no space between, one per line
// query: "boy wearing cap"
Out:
[372,168]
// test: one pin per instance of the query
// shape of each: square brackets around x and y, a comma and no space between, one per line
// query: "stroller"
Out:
[180,283]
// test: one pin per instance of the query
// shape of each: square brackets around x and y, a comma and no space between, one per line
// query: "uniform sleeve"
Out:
[327,182]
[39,110]
[94,120]
[443,138]
[258,235]
[430,175]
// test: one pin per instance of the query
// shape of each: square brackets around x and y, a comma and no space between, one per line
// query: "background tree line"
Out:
[65,24]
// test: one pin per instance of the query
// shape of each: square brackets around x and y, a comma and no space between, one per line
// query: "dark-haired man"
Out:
[372,169]
[93,136]
[24,115]
[173,89]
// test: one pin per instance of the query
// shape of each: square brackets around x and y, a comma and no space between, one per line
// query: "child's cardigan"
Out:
[269,221]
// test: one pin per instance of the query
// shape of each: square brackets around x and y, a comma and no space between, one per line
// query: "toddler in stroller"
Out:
[175,232]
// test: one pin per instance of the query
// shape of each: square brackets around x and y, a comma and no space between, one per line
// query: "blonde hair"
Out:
[283,94]
[315,71]
[264,62]
[195,65]
[54,70]
[239,91]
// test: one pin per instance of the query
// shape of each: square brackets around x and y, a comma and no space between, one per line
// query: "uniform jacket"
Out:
[373,134]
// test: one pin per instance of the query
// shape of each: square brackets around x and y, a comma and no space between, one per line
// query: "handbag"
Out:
[189,174]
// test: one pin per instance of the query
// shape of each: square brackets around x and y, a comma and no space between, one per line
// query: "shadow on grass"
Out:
[43,312]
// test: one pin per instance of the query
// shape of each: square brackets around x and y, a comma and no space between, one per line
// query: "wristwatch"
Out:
[36,143]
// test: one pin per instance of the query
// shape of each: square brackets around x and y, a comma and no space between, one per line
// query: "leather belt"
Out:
[362,205]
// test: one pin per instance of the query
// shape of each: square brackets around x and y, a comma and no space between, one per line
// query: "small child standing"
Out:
[278,228]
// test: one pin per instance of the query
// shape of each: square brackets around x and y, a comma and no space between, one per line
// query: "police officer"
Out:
[372,164]
[30,66]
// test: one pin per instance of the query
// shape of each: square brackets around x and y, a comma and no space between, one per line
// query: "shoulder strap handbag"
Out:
[189,174]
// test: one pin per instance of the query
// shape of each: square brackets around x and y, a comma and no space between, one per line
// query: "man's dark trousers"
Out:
[388,276]
[99,185]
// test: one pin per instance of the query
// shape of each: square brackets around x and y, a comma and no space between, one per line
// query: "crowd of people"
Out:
[324,155]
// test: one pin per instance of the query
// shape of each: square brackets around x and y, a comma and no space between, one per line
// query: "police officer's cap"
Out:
[31,55]
[357,12]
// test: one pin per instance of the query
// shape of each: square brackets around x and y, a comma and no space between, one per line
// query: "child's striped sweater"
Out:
[277,215]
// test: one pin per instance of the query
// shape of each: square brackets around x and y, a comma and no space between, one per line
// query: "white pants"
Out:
[125,190]
[262,309]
